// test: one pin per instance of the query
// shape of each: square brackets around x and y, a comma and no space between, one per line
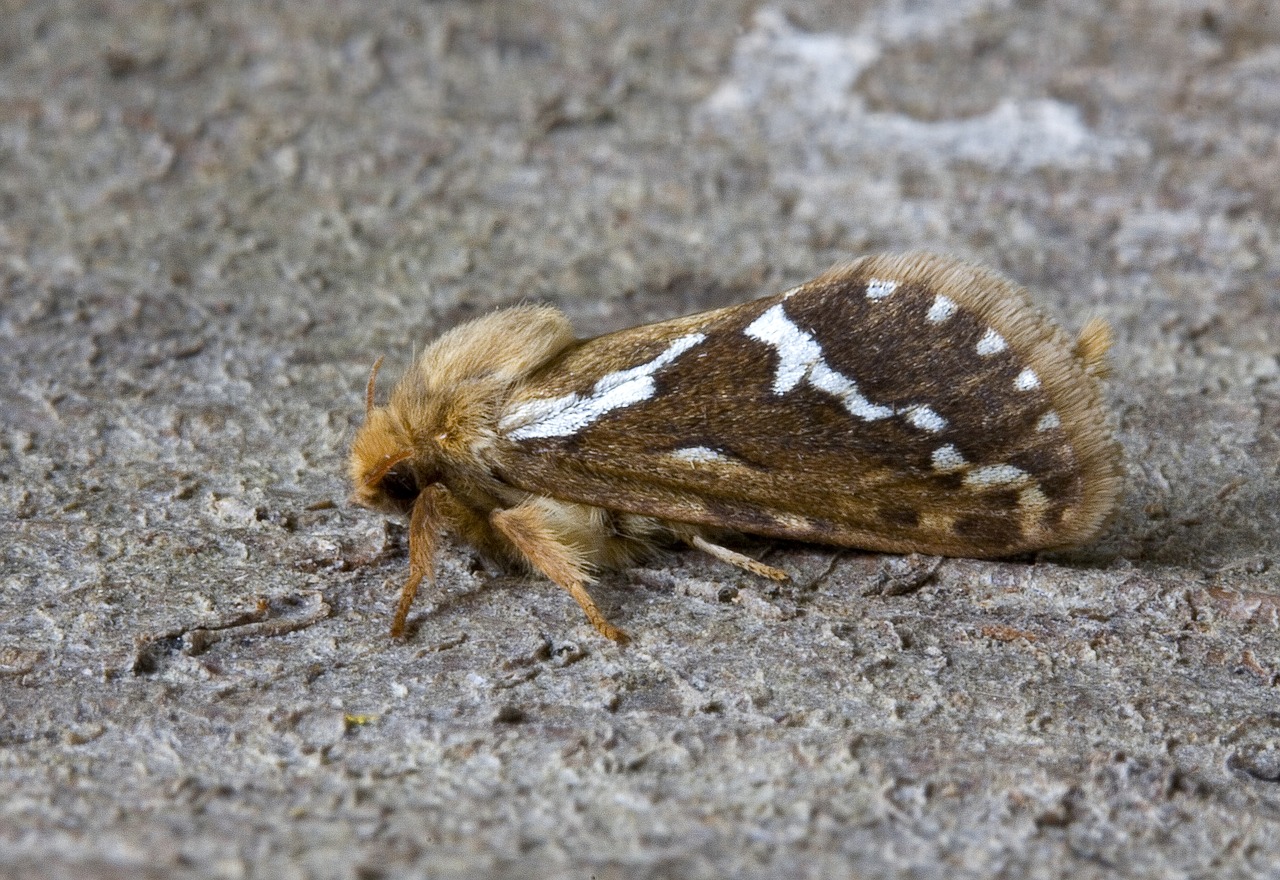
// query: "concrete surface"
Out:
[215,216]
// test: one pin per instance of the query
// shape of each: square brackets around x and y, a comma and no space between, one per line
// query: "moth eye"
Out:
[400,484]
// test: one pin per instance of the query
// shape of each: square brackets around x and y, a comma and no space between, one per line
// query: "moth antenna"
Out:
[1092,345]
[387,464]
[368,389]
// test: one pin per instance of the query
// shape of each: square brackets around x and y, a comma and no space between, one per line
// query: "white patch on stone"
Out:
[991,343]
[794,88]
[1027,380]
[567,415]
[1049,421]
[701,455]
[943,307]
[925,419]
[947,459]
[994,476]
[879,289]
[800,358]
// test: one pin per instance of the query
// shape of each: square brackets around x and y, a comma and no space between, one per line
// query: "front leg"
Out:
[434,509]
[549,535]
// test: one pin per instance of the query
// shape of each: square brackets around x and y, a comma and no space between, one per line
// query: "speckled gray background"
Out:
[213,217]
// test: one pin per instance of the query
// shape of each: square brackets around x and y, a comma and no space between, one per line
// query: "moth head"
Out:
[387,469]
[382,470]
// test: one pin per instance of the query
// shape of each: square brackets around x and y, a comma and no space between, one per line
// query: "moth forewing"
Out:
[904,404]
[901,404]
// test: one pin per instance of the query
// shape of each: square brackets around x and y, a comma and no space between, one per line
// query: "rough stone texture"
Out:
[216,215]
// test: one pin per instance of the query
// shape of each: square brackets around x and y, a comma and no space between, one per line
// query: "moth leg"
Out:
[434,508]
[532,528]
[422,552]
[724,554]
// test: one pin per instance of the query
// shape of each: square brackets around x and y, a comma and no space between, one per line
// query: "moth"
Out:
[909,403]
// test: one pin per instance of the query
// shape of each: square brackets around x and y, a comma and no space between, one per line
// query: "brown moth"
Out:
[901,404]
